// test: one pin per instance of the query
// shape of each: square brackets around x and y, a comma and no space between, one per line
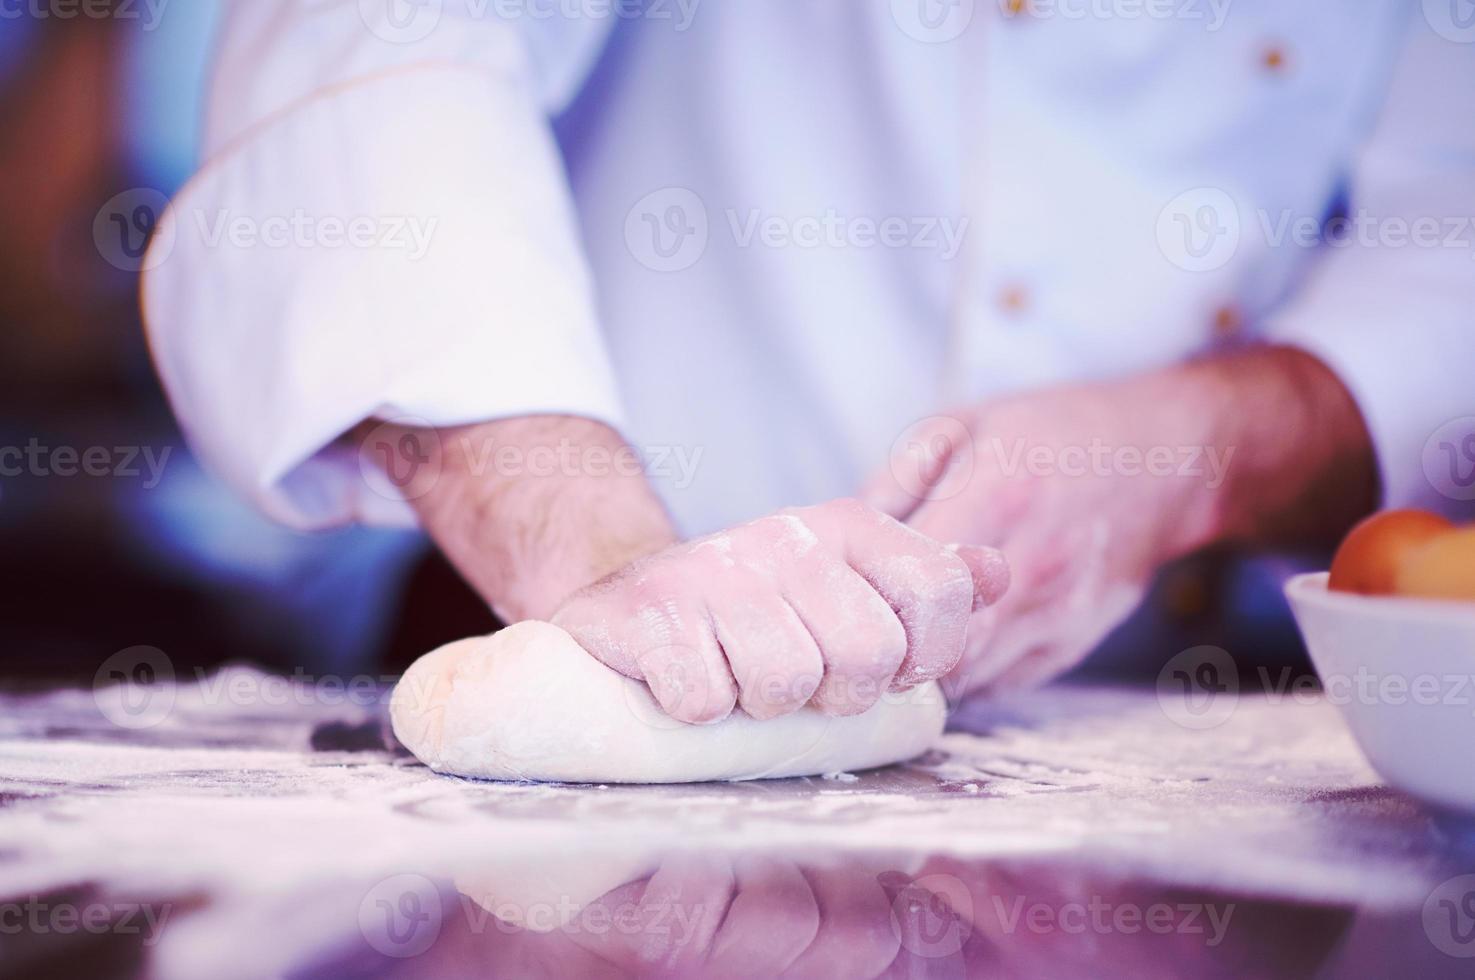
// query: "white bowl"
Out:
[1402,671]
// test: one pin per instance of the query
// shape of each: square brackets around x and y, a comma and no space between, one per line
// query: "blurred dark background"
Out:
[141,546]
[147,549]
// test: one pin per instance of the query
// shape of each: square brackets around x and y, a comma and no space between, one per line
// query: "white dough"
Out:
[530,703]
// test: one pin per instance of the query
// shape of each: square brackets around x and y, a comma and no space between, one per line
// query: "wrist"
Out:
[1302,467]
[532,509]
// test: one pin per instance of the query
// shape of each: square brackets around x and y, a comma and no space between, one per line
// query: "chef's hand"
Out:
[833,605]
[1089,490]
[746,916]
[749,915]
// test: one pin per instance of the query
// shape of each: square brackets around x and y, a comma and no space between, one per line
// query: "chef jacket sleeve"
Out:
[382,229]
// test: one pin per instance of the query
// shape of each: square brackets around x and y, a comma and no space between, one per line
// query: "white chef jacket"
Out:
[769,235]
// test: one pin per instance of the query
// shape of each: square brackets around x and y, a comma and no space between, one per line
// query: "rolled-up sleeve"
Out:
[382,229]
[1390,306]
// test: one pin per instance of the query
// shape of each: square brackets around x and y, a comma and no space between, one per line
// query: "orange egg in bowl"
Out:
[1372,555]
[1441,568]
[1391,631]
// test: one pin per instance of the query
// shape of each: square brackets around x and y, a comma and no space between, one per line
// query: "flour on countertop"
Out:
[234,800]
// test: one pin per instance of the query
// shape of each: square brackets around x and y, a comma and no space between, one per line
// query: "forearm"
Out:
[1304,468]
[531,509]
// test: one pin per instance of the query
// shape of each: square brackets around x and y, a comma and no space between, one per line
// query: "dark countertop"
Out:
[253,827]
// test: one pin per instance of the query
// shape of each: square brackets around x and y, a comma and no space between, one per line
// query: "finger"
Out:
[1069,604]
[645,633]
[689,678]
[930,930]
[1056,650]
[1007,631]
[860,639]
[962,679]
[612,946]
[928,587]
[682,910]
[773,658]
[769,924]
[921,467]
[990,571]
[666,924]
[1003,506]
[1022,625]
[1040,580]
[884,493]
[855,937]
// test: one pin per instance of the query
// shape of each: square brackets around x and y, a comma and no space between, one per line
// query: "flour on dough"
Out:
[530,703]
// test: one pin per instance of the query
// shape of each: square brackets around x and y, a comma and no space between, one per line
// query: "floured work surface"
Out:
[258,829]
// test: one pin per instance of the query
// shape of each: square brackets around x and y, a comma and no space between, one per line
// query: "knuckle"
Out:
[935,656]
[954,579]
[926,669]
[782,688]
[655,597]
[699,707]
[785,532]
[849,510]
[850,694]
[772,696]
[872,648]
[939,583]
[705,713]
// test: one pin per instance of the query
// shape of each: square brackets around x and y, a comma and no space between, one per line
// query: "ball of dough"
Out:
[528,703]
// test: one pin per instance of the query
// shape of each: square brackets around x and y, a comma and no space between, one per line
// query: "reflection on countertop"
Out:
[266,828]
